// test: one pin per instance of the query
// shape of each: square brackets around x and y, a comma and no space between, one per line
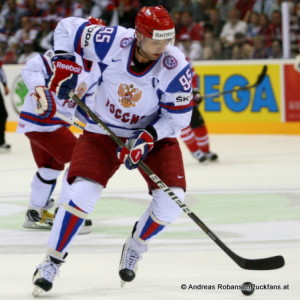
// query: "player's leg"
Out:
[161,212]
[93,153]
[3,117]
[51,150]
[201,136]
[166,162]
[42,186]
[203,143]
[189,138]
[67,223]
[64,197]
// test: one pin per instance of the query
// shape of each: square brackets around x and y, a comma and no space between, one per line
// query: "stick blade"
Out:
[270,263]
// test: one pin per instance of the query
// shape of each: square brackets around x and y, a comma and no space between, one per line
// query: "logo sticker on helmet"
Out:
[163,34]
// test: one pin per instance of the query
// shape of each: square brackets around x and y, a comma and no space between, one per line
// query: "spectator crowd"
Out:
[205,29]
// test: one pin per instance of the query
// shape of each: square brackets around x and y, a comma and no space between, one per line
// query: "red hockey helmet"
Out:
[155,23]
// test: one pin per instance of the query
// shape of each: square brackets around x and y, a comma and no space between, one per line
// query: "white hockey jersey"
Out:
[126,101]
[37,72]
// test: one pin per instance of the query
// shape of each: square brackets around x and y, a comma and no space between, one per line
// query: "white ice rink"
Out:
[250,199]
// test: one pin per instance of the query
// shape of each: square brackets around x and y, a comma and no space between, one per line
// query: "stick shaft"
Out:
[259,79]
[71,122]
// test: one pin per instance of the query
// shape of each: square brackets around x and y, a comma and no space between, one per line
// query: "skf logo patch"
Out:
[170,62]
[81,89]
[183,98]
[128,94]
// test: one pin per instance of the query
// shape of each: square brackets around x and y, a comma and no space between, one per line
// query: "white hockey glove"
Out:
[297,63]
[46,106]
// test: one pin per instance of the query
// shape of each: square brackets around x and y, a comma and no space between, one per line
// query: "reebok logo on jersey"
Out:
[71,68]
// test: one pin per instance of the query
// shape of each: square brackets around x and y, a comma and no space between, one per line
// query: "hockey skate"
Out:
[5,147]
[86,227]
[200,156]
[39,218]
[210,156]
[45,274]
[129,261]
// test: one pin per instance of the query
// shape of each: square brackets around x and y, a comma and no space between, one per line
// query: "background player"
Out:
[3,112]
[195,136]
[51,141]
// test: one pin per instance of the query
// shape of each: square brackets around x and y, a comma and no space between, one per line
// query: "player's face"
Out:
[152,49]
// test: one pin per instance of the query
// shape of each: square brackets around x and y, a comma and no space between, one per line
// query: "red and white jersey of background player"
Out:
[125,100]
[37,72]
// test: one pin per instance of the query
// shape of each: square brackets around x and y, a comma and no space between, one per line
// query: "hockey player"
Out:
[195,136]
[144,96]
[4,147]
[45,135]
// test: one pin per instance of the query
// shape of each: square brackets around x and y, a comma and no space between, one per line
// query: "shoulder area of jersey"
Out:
[121,35]
[125,36]
[173,58]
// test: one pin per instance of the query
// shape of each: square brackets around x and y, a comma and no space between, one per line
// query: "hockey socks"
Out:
[42,186]
[189,138]
[202,138]
[151,227]
[67,222]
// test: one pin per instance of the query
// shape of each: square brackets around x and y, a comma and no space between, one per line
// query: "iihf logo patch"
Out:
[125,42]
[170,62]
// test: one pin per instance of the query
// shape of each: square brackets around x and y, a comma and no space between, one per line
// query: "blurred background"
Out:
[227,42]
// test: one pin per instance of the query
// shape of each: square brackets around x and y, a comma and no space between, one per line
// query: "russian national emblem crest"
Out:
[128,94]
[81,89]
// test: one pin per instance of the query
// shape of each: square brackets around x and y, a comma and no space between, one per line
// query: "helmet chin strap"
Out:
[140,51]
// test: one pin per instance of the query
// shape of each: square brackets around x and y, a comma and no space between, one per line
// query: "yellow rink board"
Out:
[228,127]
[258,110]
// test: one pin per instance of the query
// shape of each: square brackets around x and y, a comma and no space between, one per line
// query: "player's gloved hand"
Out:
[196,96]
[297,63]
[65,74]
[136,148]
[46,106]
[94,21]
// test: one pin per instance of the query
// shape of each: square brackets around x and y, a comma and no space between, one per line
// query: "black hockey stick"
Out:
[269,263]
[259,79]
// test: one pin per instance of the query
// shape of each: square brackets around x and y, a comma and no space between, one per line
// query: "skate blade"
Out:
[5,150]
[123,283]
[37,291]
[31,225]
[85,230]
